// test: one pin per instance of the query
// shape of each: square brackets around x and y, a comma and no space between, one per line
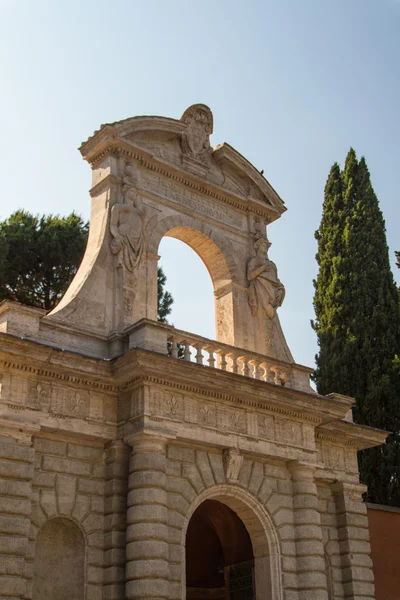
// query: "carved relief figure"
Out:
[266,291]
[127,225]
[196,137]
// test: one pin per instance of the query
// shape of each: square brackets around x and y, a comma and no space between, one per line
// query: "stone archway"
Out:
[255,522]
[218,257]
[59,567]
[219,555]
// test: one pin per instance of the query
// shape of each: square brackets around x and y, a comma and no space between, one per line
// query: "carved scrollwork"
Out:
[195,138]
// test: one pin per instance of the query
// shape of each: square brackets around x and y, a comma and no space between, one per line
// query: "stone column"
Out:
[147,520]
[16,473]
[116,489]
[352,522]
[311,575]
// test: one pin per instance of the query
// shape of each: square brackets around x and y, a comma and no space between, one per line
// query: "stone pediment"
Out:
[185,144]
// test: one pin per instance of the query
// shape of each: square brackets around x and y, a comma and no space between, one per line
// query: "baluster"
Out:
[275,371]
[199,355]
[245,368]
[283,376]
[264,373]
[174,348]
[186,352]
[235,367]
[222,361]
[269,374]
[257,370]
[211,357]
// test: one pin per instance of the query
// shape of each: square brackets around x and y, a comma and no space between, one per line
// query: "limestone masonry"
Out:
[129,473]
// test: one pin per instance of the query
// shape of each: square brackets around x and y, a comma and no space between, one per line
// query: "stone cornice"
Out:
[17,355]
[189,377]
[121,147]
[350,434]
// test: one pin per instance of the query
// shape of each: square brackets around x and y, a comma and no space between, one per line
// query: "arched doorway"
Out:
[59,567]
[219,555]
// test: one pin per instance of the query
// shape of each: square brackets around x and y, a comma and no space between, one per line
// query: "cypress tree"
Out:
[358,327]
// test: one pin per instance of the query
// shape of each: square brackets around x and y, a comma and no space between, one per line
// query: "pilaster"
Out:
[311,575]
[116,488]
[147,570]
[352,522]
[16,473]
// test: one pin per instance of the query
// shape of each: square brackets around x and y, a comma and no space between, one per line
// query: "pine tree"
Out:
[39,256]
[358,319]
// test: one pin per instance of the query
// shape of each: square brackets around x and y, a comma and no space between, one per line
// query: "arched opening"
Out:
[219,555]
[191,287]
[217,254]
[59,566]
[259,529]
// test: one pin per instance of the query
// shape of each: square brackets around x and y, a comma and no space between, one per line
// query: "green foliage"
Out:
[165,299]
[39,256]
[358,319]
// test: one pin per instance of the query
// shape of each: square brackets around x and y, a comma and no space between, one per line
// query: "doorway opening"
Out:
[219,555]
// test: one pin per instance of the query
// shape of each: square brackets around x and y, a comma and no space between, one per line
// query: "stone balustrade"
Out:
[178,344]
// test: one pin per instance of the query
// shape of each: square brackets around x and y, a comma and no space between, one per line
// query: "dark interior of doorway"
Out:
[219,555]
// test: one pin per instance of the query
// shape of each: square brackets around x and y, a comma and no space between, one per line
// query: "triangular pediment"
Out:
[185,145]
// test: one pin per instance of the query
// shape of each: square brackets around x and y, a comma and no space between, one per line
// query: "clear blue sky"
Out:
[292,85]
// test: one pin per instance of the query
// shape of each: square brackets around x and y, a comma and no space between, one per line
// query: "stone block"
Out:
[66,493]
[12,565]
[182,487]
[152,513]
[146,531]
[48,503]
[13,546]
[141,569]
[46,446]
[13,487]
[268,487]
[90,486]
[173,468]
[175,519]
[93,522]
[16,470]
[147,549]
[81,507]
[16,452]
[15,506]
[178,502]
[217,467]
[44,479]
[181,453]
[147,496]
[97,504]
[142,479]
[11,524]
[147,462]
[66,465]
[256,478]
[154,589]
[204,467]
[89,453]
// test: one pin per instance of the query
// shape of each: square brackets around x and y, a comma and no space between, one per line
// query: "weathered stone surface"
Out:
[111,446]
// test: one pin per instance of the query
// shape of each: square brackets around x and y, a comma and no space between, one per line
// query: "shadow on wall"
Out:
[59,567]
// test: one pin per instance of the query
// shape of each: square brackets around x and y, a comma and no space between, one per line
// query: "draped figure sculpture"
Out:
[266,292]
[126,225]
